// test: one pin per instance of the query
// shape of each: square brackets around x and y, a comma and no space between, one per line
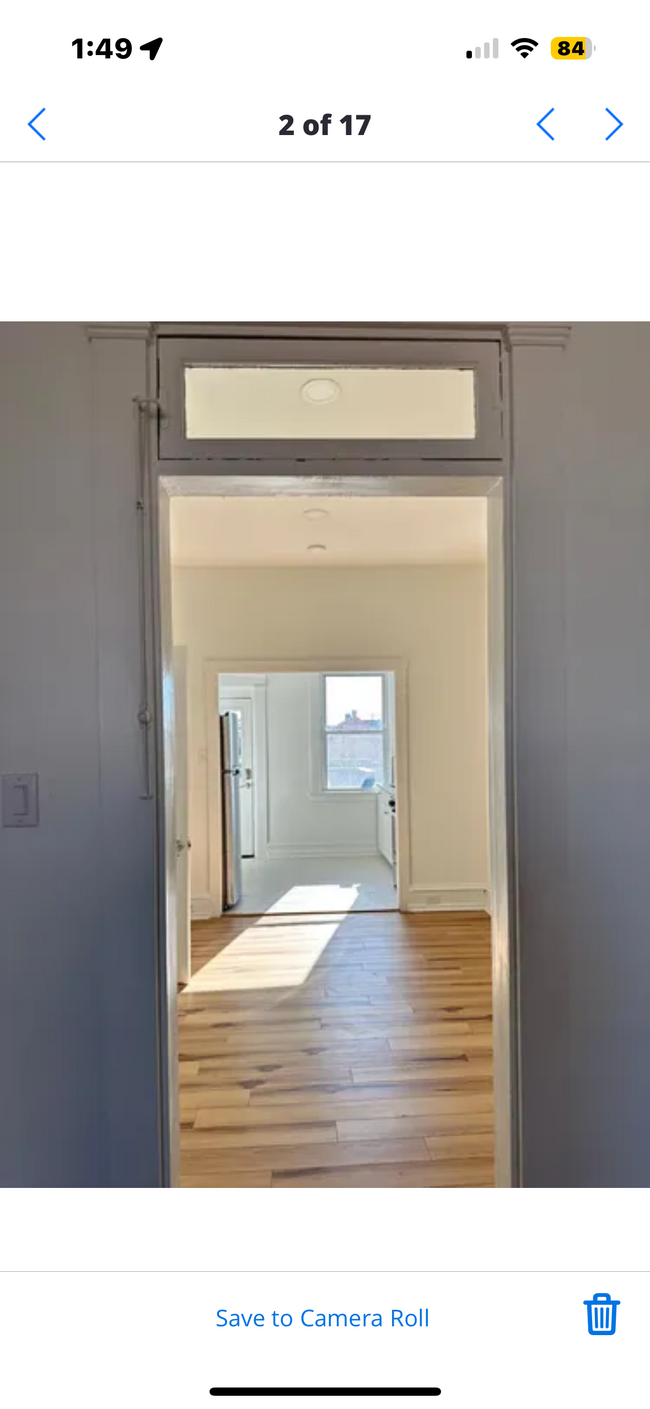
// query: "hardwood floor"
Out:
[337,1051]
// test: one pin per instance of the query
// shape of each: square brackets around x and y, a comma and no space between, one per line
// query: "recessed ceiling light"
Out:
[320,390]
[316,548]
[315,513]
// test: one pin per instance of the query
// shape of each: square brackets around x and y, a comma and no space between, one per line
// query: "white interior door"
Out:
[243,708]
[183,843]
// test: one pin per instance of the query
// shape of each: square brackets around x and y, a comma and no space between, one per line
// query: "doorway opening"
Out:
[310,824]
[319,999]
[327,1047]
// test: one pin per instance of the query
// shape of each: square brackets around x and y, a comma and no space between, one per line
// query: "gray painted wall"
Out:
[78,1071]
[78,1064]
[582,580]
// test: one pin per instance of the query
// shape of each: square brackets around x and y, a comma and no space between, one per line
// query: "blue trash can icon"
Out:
[601,1314]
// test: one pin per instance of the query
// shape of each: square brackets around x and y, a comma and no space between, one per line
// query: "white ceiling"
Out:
[274,532]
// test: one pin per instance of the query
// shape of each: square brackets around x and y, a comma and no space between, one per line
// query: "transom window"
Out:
[330,403]
[355,732]
[334,398]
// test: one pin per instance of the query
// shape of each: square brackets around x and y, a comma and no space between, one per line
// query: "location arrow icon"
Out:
[151,48]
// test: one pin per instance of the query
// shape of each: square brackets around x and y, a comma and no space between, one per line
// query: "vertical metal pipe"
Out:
[145,714]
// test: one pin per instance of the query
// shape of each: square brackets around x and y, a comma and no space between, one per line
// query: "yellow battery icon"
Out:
[577,47]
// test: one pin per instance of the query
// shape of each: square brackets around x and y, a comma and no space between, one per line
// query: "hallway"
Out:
[337,1051]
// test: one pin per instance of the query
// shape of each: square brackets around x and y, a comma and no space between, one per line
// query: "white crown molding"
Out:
[515,334]
[143,332]
[537,334]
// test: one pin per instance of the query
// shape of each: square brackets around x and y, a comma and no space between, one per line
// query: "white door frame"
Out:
[312,665]
[496,489]
[181,813]
[397,477]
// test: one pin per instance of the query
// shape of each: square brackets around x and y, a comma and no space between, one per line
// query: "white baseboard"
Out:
[281,851]
[202,907]
[426,898]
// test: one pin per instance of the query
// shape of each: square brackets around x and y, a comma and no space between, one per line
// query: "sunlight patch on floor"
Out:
[315,899]
[267,956]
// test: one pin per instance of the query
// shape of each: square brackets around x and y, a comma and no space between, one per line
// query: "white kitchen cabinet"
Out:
[385,824]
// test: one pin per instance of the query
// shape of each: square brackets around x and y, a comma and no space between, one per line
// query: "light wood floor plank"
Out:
[241,1179]
[473,1042]
[439,1110]
[301,1156]
[411,1093]
[337,1051]
[438,1069]
[233,1137]
[459,1173]
[403,1127]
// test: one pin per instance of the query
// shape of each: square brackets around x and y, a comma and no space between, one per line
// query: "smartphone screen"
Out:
[324,704]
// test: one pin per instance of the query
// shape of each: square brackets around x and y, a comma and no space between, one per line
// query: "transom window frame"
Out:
[481,356]
[323,731]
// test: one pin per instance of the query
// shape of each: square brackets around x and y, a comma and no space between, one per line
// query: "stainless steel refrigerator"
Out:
[230,816]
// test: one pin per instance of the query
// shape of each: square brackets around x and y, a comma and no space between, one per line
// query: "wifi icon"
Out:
[524,46]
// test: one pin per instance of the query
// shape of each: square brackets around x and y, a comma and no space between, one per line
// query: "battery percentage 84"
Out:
[577,47]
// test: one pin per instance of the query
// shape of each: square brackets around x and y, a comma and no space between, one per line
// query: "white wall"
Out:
[433,618]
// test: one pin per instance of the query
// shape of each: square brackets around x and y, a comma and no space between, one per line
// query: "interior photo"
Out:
[324,764]
[335,1001]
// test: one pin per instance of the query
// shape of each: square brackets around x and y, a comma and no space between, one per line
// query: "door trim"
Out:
[503,884]
[181,807]
[353,477]
[393,476]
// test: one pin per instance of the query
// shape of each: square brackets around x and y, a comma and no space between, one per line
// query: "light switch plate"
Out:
[20,799]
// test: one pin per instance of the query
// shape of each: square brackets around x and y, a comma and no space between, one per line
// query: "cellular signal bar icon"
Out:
[485,51]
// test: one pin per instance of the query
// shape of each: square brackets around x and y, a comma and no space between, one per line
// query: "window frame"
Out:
[481,356]
[324,732]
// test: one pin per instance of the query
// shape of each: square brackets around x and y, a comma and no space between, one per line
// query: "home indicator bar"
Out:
[358,1393]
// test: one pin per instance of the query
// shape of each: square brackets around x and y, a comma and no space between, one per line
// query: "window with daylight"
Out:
[327,397]
[339,403]
[355,732]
